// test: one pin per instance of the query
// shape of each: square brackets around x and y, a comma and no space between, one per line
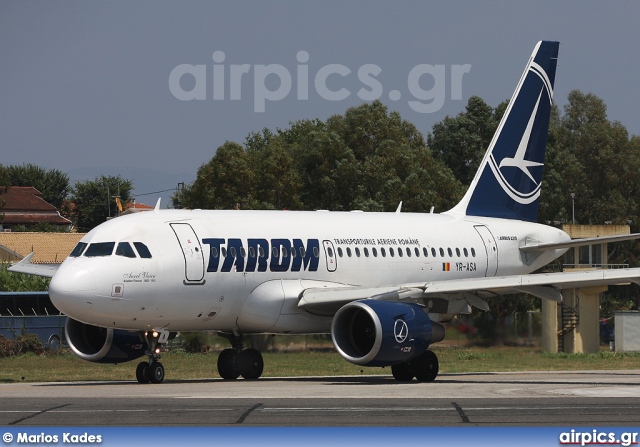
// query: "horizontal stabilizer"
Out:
[578,242]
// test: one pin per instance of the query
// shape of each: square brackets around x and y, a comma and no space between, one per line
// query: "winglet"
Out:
[27,259]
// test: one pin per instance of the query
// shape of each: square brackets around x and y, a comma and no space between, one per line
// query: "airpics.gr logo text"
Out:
[274,82]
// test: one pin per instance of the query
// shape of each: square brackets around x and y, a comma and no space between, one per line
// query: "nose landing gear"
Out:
[152,370]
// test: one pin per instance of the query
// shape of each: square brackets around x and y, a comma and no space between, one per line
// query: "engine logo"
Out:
[400,330]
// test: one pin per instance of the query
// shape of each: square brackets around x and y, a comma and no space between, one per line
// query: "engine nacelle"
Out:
[103,345]
[382,333]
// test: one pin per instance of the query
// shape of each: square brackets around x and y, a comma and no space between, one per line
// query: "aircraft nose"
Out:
[70,287]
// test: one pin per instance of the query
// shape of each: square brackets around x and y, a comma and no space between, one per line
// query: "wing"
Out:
[25,266]
[472,291]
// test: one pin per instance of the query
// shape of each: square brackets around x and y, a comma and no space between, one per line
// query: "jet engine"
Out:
[103,345]
[382,333]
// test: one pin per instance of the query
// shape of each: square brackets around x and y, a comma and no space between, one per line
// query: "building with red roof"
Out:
[23,206]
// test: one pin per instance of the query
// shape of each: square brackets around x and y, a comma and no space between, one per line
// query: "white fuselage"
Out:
[206,271]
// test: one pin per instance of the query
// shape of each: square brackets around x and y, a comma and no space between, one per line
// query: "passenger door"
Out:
[192,252]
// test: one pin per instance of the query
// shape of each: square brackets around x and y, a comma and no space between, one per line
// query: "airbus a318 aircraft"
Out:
[381,283]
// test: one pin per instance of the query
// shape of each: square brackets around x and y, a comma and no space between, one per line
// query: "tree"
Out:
[5,182]
[595,159]
[52,183]
[18,282]
[225,182]
[461,142]
[368,159]
[5,179]
[93,201]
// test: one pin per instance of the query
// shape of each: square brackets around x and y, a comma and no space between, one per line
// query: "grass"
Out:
[66,367]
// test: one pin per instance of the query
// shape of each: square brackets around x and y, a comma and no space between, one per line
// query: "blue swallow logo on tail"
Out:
[509,179]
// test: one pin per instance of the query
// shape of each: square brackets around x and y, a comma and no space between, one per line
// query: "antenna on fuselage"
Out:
[157,208]
[399,207]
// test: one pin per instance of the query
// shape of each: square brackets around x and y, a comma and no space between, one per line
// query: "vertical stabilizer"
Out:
[507,184]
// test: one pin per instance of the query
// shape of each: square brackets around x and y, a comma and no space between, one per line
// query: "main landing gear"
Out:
[424,368]
[152,370]
[236,361]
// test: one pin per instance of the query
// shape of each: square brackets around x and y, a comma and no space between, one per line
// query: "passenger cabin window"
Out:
[143,251]
[124,249]
[77,251]
[100,249]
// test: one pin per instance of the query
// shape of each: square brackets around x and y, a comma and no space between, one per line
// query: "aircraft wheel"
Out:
[156,372]
[250,363]
[402,372]
[142,372]
[54,344]
[228,364]
[426,367]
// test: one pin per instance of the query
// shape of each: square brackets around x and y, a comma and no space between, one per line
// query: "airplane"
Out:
[382,284]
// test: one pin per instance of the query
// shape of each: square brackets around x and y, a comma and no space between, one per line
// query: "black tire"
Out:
[250,364]
[402,372]
[156,372]
[228,364]
[426,367]
[142,372]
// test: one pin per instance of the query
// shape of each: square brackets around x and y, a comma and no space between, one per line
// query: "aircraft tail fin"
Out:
[508,181]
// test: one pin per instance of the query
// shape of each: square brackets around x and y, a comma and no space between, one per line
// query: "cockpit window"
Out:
[100,249]
[143,251]
[77,252]
[124,249]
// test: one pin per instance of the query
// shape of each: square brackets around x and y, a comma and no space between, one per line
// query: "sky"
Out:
[149,89]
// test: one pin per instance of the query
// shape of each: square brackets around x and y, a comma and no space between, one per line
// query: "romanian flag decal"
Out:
[446,266]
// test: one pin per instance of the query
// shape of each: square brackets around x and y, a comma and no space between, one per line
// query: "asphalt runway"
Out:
[577,398]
